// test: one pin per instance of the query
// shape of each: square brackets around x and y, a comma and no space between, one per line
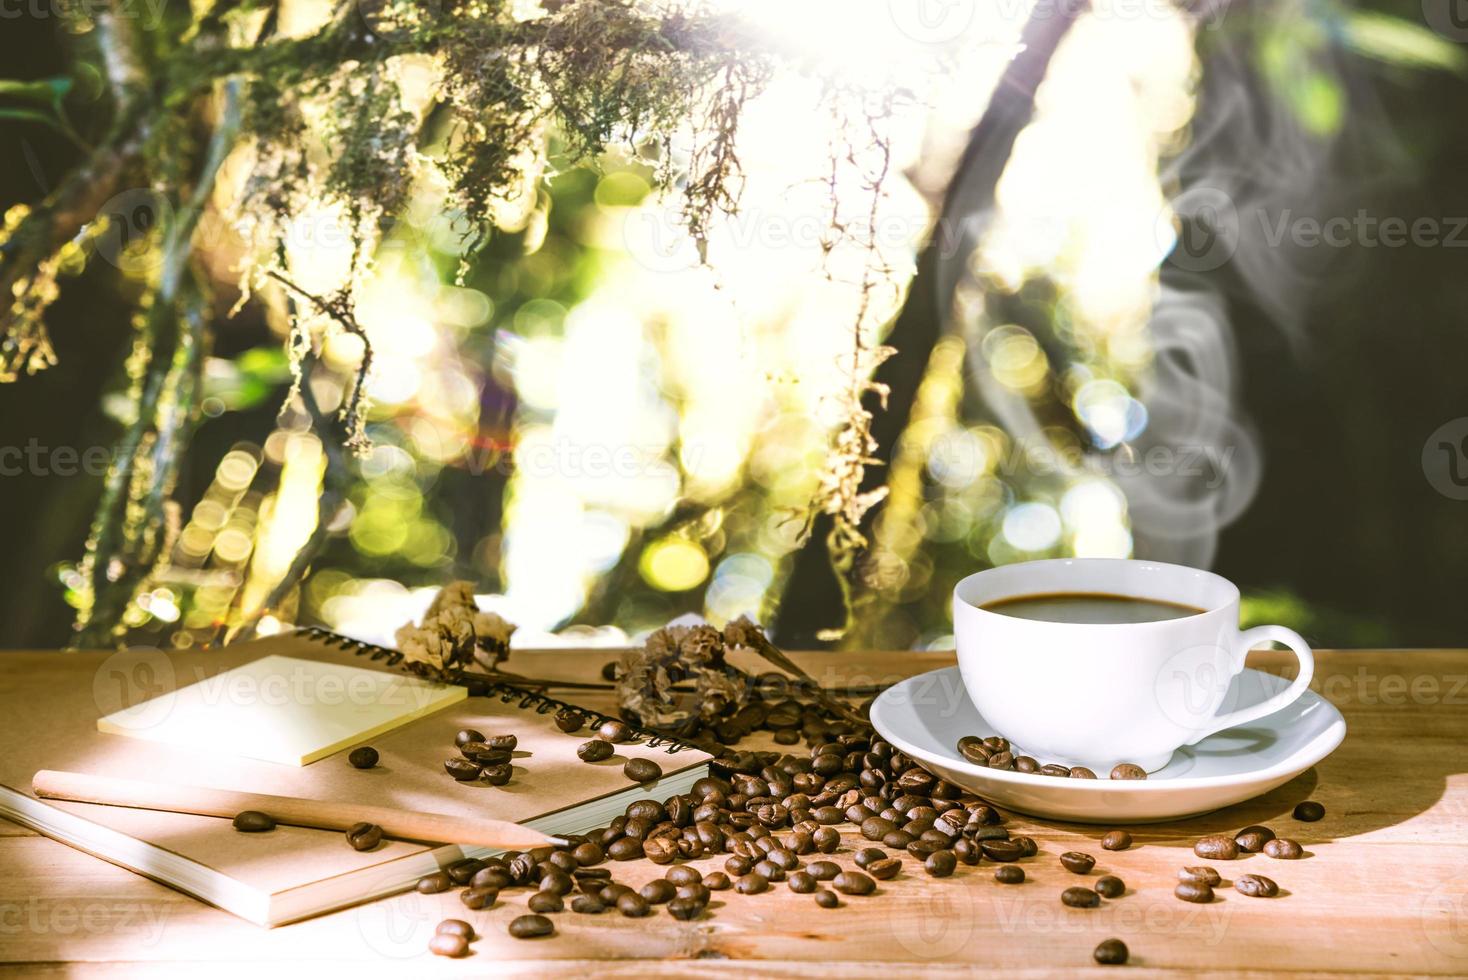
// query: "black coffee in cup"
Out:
[1089,607]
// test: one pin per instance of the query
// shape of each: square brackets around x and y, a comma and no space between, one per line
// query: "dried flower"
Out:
[452,631]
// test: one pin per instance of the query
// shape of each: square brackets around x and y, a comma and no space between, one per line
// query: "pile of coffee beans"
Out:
[481,757]
[995,752]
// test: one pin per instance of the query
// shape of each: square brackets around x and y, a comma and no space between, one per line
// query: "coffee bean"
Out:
[595,751]
[505,743]
[614,731]
[433,884]
[875,828]
[557,883]
[1309,811]
[364,836]
[497,775]
[867,855]
[898,839]
[967,851]
[827,899]
[973,749]
[1002,850]
[448,944]
[803,882]
[1080,898]
[479,898]
[587,905]
[1001,760]
[824,870]
[1054,770]
[853,883]
[587,854]
[1081,772]
[1253,838]
[642,770]
[658,891]
[492,877]
[1009,874]
[737,865]
[1216,847]
[461,769]
[462,872]
[544,901]
[769,870]
[1284,849]
[751,884]
[886,869]
[253,822]
[1116,840]
[531,927]
[717,881]
[1077,863]
[684,909]
[610,670]
[626,849]
[1025,763]
[364,757]
[826,839]
[1209,876]
[920,849]
[1126,770]
[481,754]
[1255,886]
[1028,847]
[939,864]
[1199,892]
[570,720]
[827,815]
[455,927]
[997,742]
[1110,952]
[1110,886]
[467,735]
[633,905]
[659,850]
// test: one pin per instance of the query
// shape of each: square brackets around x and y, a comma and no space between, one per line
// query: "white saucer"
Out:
[926,715]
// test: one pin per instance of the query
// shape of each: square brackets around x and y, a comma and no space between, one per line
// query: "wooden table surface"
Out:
[1384,888]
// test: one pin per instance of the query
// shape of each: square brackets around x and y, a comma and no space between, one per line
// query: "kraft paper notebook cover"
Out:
[49,721]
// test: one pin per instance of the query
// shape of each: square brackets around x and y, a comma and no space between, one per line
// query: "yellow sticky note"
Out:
[282,709]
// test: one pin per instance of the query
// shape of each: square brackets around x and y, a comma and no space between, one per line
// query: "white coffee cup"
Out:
[1096,694]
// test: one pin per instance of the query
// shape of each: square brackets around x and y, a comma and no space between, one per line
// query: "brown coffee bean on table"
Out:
[737,865]
[1077,863]
[448,944]
[1253,838]
[628,848]
[253,822]
[1284,849]
[1110,952]
[1203,873]
[642,770]
[824,870]
[364,836]
[1199,892]
[827,899]
[462,872]
[867,855]
[434,883]
[455,927]
[506,743]
[1110,886]
[885,869]
[614,731]
[684,909]
[659,850]
[658,891]
[939,864]
[1309,811]
[967,851]
[531,927]
[544,902]
[461,769]
[569,720]
[1080,898]
[1116,840]
[633,905]
[497,775]
[596,750]
[363,757]
[1009,874]
[751,884]
[467,735]
[588,853]
[853,883]
[717,881]
[1002,850]
[1216,847]
[587,905]
[1256,886]
[684,874]
[479,898]
[803,882]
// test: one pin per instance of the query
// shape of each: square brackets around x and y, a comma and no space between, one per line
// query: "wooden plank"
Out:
[1384,888]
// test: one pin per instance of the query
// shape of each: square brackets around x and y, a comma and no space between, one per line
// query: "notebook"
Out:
[53,702]
[282,709]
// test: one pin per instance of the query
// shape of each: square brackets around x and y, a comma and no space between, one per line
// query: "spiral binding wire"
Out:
[507,693]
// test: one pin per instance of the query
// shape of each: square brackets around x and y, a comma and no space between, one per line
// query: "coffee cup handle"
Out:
[1246,641]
